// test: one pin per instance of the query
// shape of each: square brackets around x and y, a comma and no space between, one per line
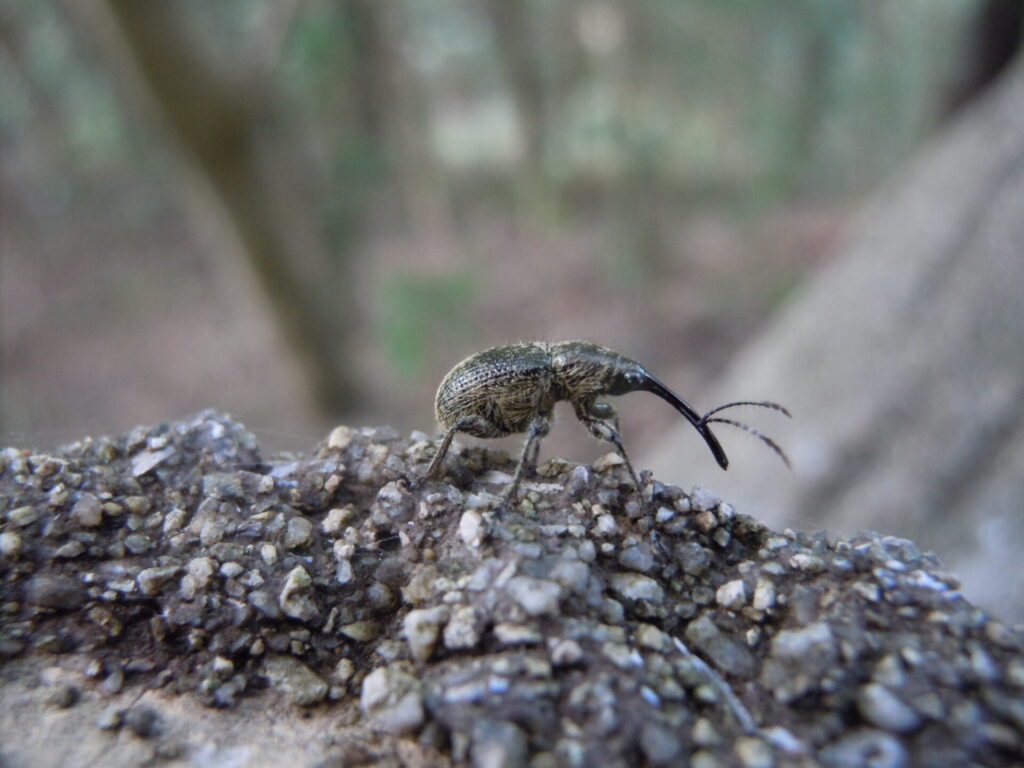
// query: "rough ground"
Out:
[173,597]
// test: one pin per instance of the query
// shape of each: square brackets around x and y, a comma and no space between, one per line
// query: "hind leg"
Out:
[462,425]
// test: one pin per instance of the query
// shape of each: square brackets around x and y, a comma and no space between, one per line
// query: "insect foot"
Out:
[513,390]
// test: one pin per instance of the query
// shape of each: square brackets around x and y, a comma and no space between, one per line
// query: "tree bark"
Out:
[903,364]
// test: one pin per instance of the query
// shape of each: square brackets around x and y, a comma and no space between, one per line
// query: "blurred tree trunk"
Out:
[903,364]
[404,127]
[996,35]
[516,44]
[225,123]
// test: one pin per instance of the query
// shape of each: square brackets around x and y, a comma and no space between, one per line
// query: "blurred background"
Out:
[306,211]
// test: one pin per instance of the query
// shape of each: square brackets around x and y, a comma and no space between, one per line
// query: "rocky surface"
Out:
[171,596]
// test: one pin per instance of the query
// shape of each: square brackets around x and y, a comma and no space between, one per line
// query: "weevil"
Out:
[513,389]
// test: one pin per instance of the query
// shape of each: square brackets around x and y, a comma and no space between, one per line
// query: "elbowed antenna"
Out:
[707,419]
[652,385]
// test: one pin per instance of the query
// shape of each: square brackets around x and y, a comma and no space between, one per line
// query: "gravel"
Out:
[578,628]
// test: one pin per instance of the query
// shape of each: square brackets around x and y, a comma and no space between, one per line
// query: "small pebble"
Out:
[471,528]
[10,544]
[298,533]
[65,696]
[536,596]
[22,516]
[87,511]
[142,721]
[732,594]
[110,719]
[881,707]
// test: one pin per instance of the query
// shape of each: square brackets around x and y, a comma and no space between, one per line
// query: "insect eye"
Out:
[633,378]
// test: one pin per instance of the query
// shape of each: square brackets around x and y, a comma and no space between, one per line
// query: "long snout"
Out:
[654,386]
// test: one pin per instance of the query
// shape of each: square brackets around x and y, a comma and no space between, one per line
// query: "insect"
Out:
[513,389]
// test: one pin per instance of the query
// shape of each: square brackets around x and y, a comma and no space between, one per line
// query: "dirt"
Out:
[171,596]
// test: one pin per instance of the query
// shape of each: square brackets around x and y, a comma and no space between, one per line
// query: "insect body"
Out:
[513,389]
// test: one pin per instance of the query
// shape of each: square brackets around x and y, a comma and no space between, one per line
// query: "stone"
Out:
[705,734]
[607,462]
[340,438]
[752,752]
[537,597]
[798,661]
[22,516]
[606,525]
[881,707]
[704,499]
[507,633]
[201,569]
[52,591]
[421,628]
[298,533]
[212,531]
[110,718]
[865,748]
[336,520]
[805,561]
[732,594]
[299,682]
[764,595]
[143,721]
[361,631]
[498,744]
[87,511]
[394,504]
[295,599]
[566,652]
[65,696]
[392,698]
[650,637]
[268,552]
[69,551]
[463,629]
[637,558]
[10,544]
[634,586]
[693,557]
[725,652]
[471,528]
[137,543]
[660,745]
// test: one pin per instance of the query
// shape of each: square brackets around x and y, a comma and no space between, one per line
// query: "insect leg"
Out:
[605,412]
[603,422]
[434,470]
[602,430]
[539,427]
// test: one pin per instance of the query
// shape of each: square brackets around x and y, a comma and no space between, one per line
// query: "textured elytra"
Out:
[506,387]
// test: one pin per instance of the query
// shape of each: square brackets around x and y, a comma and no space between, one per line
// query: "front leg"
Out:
[597,418]
[539,428]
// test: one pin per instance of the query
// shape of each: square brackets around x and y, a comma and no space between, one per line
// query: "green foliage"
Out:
[421,309]
[69,101]
[747,102]
[318,51]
